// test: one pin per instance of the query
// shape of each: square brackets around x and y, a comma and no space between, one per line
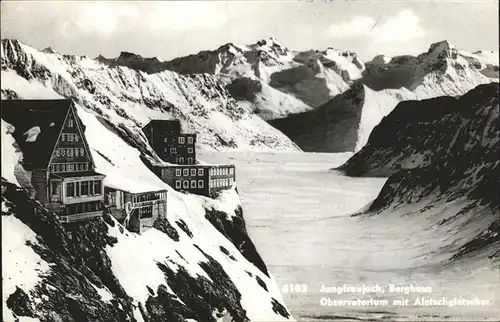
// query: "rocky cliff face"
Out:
[130,98]
[441,157]
[431,130]
[442,70]
[97,271]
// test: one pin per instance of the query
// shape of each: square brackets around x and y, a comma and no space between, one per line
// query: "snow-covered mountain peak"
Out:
[273,45]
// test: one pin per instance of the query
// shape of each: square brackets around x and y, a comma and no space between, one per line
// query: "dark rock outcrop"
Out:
[331,127]
[78,262]
[234,230]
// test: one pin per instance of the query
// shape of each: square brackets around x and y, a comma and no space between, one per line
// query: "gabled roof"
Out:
[24,115]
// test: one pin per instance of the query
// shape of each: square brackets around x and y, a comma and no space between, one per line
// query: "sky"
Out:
[174,28]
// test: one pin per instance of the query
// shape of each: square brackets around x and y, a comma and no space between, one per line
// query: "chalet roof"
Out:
[25,115]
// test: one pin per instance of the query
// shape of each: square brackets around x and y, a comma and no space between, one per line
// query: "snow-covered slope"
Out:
[198,264]
[312,76]
[377,105]
[345,122]
[131,98]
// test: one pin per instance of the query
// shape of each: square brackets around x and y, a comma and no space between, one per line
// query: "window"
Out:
[70,152]
[177,184]
[97,187]
[173,150]
[185,172]
[77,152]
[200,172]
[231,170]
[200,183]
[70,137]
[54,188]
[190,160]
[70,122]
[58,152]
[182,140]
[77,138]
[86,166]
[185,184]
[84,188]
[231,181]
[181,160]
[178,172]
[190,150]
[193,183]
[63,152]
[193,172]
[82,152]
[146,212]
[63,137]
[190,140]
[77,189]
[71,167]
[70,189]
[165,140]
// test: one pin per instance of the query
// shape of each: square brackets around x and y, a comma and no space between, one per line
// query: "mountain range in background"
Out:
[322,100]
[260,97]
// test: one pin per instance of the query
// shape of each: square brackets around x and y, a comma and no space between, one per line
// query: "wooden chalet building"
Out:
[169,143]
[52,139]
[135,208]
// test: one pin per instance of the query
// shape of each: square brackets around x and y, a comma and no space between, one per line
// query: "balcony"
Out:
[79,217]
[148,203]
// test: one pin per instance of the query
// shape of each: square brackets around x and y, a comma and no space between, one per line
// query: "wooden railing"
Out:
[147,203]
[80,216]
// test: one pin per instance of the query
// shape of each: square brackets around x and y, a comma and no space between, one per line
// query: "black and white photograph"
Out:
[250,161]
